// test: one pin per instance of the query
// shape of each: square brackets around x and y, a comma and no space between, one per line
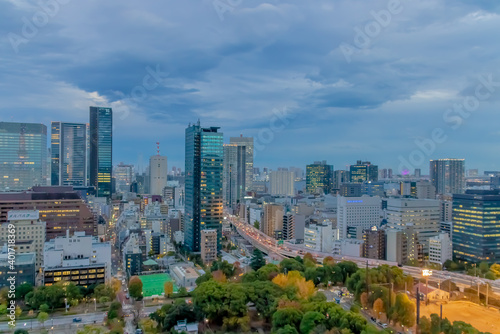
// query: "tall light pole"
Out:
[95,305]
[426,273]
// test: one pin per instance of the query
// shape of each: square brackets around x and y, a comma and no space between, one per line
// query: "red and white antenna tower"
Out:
[158,148]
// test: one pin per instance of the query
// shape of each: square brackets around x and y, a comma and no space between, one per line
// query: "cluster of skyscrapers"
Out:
[359,211]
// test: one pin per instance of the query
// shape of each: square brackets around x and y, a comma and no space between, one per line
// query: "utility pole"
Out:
[418,309]
[367,281]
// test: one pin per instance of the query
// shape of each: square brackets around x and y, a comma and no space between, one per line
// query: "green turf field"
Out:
[153,284]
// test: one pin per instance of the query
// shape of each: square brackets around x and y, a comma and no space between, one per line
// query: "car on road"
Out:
[373,319]
[384,325]
[77,319]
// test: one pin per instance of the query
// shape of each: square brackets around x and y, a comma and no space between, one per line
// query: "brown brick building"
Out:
[60,207]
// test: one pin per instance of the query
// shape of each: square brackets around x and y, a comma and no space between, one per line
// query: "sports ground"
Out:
[484,319]
[153,284]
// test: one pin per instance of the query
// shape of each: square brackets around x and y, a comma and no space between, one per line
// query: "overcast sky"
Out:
[310,80]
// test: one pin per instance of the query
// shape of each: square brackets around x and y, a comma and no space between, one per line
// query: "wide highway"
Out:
[270,246]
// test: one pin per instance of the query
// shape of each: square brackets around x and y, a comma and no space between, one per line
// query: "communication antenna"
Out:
[158,148]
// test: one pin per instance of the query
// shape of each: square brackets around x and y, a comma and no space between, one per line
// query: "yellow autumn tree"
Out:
[378,307]
[168,288]
[305,288]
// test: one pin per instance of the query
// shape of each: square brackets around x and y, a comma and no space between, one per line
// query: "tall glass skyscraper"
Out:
[476,226]
[204,164]
[69,154]
[448,175]
[319,175]
[23,152]
[101,150]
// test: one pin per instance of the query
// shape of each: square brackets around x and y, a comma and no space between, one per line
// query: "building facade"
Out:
[319,237]
[61,208]
[448,175]
[440,248]
[361,212]
[282,183]
[319,177]
[124,176]
[245,161]
[204,167]
[374,243]
[29,231]
[423,214]
[476,226]
[208,246]
[231,189]
[80,259]
[363,171]
[101,150]
[68,146]
[23,148]
[158,172]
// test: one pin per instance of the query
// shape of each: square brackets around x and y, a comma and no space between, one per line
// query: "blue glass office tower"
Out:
[101,150]
[476,226]
[23,152]
[203,201]
[68,154]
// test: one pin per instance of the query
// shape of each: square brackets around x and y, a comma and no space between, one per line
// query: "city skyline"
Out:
[370,105]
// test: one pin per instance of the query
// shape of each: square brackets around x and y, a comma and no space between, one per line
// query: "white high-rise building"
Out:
[282,183]
[80,254]
[360,212]
[157,174]
[319,237]
[440,248]
[423,214]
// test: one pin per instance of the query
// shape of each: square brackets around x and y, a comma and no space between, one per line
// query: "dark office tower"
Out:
[319,177]
[448,175]
[69,154]
[363,171]
[203,201]
[23,153]
[101,150]
[476,226]
[374,243]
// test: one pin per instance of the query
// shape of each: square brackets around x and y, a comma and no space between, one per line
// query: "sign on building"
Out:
[23,215]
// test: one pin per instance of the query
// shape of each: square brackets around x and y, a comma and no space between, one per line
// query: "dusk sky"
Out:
[310,80]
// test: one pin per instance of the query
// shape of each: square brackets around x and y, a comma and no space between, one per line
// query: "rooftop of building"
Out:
[42,193]
[21,259]
[186,271]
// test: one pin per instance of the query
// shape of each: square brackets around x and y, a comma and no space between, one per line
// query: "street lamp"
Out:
[95,305]
[426,273]
[66,304]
